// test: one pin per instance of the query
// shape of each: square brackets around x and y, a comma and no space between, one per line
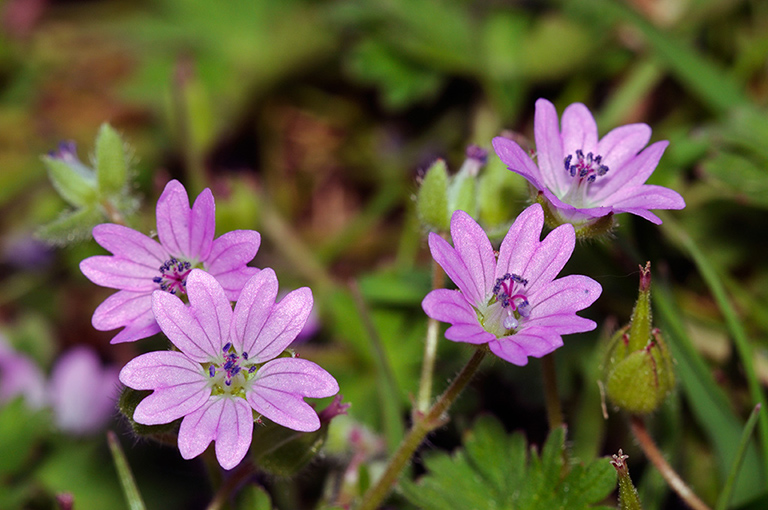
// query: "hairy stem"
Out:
[637,424]
[430,348]
[241,473]
[422,425]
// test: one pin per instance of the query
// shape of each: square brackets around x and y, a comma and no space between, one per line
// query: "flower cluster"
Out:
[229,366]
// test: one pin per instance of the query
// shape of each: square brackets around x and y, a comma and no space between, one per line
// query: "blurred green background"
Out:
[312,122]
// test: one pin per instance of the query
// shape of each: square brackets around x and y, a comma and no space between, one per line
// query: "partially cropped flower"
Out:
[140,265]
[228,366]
[512,303]
[82,391]
[20,376]
[581,179]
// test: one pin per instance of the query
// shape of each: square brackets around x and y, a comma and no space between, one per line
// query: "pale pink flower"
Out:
[583,178]
[513,303]
[228,365]
[140,265]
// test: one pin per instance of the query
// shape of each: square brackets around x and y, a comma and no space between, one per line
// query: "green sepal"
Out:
[74,182]
[462,194]
[284,452]
[641,322]
[71,226]
[165,433]
[432,198]
[111,161]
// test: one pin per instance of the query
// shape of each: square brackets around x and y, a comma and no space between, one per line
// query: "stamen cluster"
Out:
[590,166]
[173,275]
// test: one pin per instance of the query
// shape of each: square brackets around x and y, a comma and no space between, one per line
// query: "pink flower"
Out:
[20,376]
[228,366]
[140,265]
[82,391]
[512,303]
[582,178]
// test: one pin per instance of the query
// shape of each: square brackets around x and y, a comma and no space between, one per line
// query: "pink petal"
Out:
[563,324]
[232,281]
[141,327]
[454,267]
[227,421]
[622,144]
[518,161]
[648,196]
[122,308]
[284,408]
[550,257]
[520,242]
[299,377]
[252,309]
[162,369]
[568,294]
[632,174]
[475,250]
[232,251]
[285,322]
[129,244]
[173,219]
[509,351]
[549,146]
[537,342]
[211,306]
[202,226]
[182,328]
[171,403]
[469,333]
[119,273]
[579,130]
[449,306]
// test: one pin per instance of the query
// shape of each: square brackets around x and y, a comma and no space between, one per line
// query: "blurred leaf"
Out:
[21,430]
[494,471]
[739,177]
[400,82]
[400,288]
[701,76]
[78,468]
[74,182]
[253,497]
[111,161]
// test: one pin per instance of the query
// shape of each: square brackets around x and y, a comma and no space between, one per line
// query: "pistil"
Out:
[584,170]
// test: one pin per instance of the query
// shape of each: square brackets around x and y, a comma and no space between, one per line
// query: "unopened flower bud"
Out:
[638,372]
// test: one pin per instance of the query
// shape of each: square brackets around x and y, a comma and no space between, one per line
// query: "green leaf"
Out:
[74,182]
[497,471]
[111,161]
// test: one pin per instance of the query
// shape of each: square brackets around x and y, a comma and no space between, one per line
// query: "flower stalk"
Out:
[552,399]
[423,424]
[430,348]
[675,482]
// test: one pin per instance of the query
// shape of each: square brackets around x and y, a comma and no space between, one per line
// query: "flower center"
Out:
[173,276]
[507,305]
[230,374]
[583,171]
